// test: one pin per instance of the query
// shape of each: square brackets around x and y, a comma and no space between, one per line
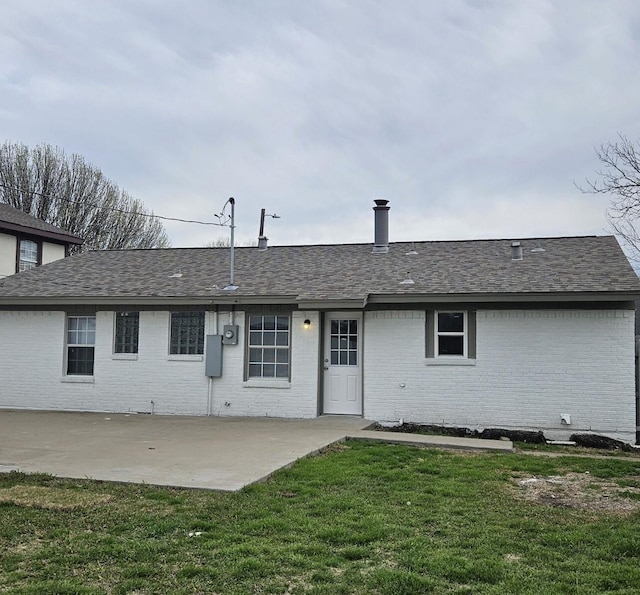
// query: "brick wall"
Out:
[531,367]
[32,370]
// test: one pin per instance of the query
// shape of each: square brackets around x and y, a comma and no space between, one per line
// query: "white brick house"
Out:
[536,336]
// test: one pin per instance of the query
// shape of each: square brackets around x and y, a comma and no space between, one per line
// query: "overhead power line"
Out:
[113,209]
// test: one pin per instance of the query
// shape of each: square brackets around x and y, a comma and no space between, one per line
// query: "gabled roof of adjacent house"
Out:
[12,219]
[349,275]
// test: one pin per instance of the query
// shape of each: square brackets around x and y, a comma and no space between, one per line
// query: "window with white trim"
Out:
[187,333]
[451,334]
[81,339]
[28,255]
[268,346]
[127,326]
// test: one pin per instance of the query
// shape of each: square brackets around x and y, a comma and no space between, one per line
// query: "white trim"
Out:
[124,356]
[450,360]
[464,334]
[265,383]
[184,357]
[77,379]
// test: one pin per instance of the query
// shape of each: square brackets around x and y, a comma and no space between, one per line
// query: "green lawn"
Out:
[361,518]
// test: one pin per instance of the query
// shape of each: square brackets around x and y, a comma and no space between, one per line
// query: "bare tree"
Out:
[621,179]
[66,191]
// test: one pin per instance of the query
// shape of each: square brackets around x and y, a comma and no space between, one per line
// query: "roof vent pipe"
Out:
[381,227]
[516,251]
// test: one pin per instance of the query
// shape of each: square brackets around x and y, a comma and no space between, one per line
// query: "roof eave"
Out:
[332,304]
[145,300]
[559,296]
[34,231]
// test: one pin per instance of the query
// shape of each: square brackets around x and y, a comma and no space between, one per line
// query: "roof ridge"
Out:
[353,244]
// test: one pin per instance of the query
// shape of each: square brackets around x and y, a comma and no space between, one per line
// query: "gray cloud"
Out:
[473,118]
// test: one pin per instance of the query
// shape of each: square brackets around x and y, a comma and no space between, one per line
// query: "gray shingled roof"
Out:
[574,265]
[11,215]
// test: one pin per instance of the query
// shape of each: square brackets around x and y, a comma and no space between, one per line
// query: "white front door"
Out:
[342,363]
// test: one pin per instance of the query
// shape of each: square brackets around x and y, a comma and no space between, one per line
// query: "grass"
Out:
[362,518]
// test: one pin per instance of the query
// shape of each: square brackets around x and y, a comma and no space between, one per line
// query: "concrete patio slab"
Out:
[195,452]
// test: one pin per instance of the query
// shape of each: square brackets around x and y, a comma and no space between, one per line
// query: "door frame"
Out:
[324,321]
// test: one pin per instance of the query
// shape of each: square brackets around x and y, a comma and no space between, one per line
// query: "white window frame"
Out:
[85,335]
[26,259]
[437,334]
[262,346]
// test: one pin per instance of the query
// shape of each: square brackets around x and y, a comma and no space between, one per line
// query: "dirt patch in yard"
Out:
[582,491]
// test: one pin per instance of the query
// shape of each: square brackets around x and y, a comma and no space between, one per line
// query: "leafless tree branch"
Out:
[620,178]
[66,191]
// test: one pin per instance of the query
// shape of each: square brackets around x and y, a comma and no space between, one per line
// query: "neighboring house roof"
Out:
[333,275]
[12,219]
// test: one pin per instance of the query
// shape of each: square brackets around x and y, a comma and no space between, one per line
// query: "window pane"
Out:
[282,323]
[450,345]
[255,323]
[255,338]
[334,358]
[269,370]
[282,356]
[353,327]
[270,323]
[282,370]
[80,361]
[255,355]
[353,342]
[334,342]
[344,327]
[334,327]
[269,355]
[353,358]
[255,370]
[25,265]
[343,358]
[268,338]
[450,322]
[282,338]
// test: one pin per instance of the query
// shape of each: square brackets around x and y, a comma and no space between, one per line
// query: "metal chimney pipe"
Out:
[516,251]
[381,227]
[262,239]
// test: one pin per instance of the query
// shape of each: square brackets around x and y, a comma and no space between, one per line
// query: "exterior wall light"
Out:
[307,323]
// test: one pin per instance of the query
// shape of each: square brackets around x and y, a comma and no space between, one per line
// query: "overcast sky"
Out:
[473,117]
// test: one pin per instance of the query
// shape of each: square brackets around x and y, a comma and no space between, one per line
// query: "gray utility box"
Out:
[230,334]
[213,356]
